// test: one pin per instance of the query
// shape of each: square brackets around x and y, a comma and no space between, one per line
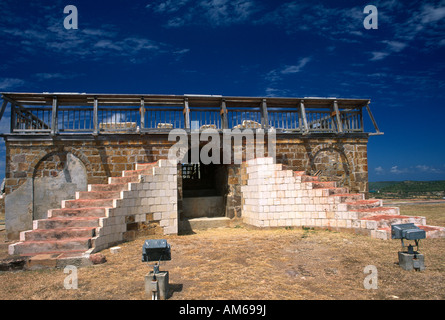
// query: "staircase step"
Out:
[108,187]
[86,203]
[112,180]
[323,184]
[364,204]
[306,178]
[65,222]
[46,246]
[386,220]
[98,195]
[133,173]
[369,212]
[145,165]
[78,212]
[348,197]
[57,234]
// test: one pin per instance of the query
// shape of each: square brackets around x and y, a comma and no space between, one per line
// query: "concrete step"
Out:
[112,180]
[323,184]
[57,234]
[328,191]
[108,187]
[431,232]
[364,204]
[348,197]
[98,195]
[78,212]
[65,222]
[386,220]
[306,178]
[145,165]
[369,212]
[45,246]
[132,173]
[203,223]
[86,203]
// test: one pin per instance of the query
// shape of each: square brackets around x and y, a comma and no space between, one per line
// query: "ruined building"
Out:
[86,171]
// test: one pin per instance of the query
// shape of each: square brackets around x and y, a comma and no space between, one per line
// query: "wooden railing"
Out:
[141,115]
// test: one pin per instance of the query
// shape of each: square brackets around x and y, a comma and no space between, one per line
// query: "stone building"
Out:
[72,158]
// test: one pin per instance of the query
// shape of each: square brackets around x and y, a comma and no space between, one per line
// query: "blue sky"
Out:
[247,48]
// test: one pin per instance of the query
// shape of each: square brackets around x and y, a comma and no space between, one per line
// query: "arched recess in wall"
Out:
[331,164]
[56,177]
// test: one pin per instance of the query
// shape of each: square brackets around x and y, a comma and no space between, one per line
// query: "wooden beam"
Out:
[264,115]
[95,118]
[303,116]
[224,122]
[54,124]
[372,119]
[2,110]
[186,114]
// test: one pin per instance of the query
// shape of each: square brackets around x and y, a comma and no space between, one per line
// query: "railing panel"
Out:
[164,118]
[244,118]
[284,119]
[205,118]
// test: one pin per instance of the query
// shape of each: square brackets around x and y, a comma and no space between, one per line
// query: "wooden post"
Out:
[337,117]
[186,114]
[54,123]
[303,116]
[142,113]
[224,122]
[95,118]
[264,115]
[13,115]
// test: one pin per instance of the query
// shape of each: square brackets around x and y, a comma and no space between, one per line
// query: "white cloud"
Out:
[296,68]
[396,170]
[378,55]
[427,169]
[431,14]
[10,83]
[210,12]
[379,170]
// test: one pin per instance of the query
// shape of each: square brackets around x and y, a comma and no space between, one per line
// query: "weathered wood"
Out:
[303,116]
[142,113]
[337,117]
[372,119]
[264,115]
[95,118]
[186,114]
[224,121]
[54,124]
[2,110]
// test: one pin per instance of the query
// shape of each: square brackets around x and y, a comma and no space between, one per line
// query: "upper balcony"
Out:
[101,114]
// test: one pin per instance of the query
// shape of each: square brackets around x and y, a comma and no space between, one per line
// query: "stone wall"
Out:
[29,158]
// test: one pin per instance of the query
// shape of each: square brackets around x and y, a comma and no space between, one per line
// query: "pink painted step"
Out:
[77,212]
[348,197]
[108,187]
[363,204]
[386,220]
[112,180]
[132,173]
[85,203]
[145,165]
[98,195]
[66,222]
[45,246]
[323,184]
[57,234]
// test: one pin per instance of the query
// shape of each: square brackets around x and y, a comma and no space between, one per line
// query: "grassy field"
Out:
[243,263]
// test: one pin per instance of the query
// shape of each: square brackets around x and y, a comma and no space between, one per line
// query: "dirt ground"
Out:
[243,263]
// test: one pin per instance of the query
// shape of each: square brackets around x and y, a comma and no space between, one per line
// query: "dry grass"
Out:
[241,263]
